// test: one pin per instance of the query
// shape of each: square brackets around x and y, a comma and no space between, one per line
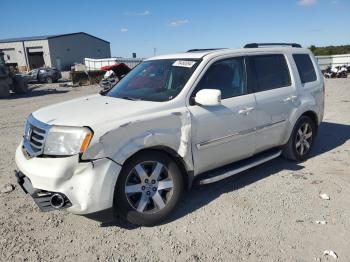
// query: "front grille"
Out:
[34,136]
[36,139]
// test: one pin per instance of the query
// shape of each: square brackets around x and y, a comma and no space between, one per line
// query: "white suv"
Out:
[203,114]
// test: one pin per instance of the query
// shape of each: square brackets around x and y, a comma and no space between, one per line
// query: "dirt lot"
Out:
[265,214]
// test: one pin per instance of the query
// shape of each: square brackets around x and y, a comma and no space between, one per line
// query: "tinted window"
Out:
[155,80]
[226,75]
[305,68]
[270,71]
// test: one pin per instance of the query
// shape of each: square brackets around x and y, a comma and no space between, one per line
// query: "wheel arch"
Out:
[313,116]
[309,113]
[289,149]
[187,174]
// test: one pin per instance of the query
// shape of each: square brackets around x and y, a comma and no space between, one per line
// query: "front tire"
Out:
[148,188]
[301,140]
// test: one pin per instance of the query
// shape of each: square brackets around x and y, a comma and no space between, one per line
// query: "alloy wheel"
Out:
[303,139]
[149,187]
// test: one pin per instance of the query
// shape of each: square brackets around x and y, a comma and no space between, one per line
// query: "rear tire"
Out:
[49,80]
[149,186]
[301,140]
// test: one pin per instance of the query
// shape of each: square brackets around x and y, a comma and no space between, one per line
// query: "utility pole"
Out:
[154,51]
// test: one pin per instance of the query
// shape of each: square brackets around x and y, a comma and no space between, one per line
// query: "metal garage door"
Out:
[35,49]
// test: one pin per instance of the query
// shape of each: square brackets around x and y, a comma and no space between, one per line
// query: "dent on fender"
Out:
[172,130]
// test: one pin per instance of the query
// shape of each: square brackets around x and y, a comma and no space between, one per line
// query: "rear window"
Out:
[305,68]
[271,71]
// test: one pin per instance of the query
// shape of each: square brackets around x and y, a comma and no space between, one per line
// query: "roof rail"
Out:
[204,49]
[256,45]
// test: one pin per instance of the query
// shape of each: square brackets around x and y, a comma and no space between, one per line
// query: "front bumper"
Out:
[88,186]
[41,197]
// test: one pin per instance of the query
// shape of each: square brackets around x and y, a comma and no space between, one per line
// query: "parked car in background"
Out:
[44,75]
[204,114]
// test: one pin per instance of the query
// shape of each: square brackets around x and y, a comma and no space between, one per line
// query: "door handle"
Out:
[245,111]
[290,99]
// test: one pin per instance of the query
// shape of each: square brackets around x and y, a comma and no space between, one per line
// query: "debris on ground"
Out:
[221,219]
[325,197]
[330,253]
[7,188]
[321,222]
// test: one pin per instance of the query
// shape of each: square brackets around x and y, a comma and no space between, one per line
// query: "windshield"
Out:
[155,80]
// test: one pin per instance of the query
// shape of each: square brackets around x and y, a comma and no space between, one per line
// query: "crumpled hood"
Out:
[93,110]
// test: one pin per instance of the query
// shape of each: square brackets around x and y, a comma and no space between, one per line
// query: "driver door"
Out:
[224,133]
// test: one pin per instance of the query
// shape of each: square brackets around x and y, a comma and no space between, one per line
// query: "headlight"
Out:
[65,140]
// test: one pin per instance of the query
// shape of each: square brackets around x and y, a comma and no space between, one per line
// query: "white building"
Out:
[60,51]
[333,60]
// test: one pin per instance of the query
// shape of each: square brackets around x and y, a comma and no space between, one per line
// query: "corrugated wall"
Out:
[70,49]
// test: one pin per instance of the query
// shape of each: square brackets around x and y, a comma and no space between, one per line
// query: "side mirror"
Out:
[208,97]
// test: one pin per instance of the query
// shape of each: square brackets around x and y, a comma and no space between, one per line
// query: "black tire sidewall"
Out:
[20,85]
[121,204]
[4,89]
[302,120]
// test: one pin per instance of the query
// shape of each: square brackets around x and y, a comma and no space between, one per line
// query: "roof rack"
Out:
[256,45]
[205,49]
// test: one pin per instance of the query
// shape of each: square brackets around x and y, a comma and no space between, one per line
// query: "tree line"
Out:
[330,50]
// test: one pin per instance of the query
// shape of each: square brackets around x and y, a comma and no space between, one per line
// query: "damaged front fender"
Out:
[171,130]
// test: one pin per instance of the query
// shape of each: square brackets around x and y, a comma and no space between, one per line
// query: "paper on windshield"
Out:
[184,63]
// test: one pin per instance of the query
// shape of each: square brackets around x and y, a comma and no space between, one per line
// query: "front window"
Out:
[227,75]
[155,80]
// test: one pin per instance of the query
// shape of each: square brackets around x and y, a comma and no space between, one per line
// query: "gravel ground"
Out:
[265,214]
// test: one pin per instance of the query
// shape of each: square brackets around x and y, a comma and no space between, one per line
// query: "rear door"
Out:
[311,79]
[276,96]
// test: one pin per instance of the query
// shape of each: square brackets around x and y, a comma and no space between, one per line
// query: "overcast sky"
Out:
[172,26]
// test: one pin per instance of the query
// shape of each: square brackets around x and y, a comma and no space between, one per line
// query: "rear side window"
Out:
[305,68]
[269,72]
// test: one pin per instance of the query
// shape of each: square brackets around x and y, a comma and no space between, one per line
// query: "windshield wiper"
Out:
[131,98]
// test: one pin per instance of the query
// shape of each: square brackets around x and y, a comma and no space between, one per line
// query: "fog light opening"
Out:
[57,201]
